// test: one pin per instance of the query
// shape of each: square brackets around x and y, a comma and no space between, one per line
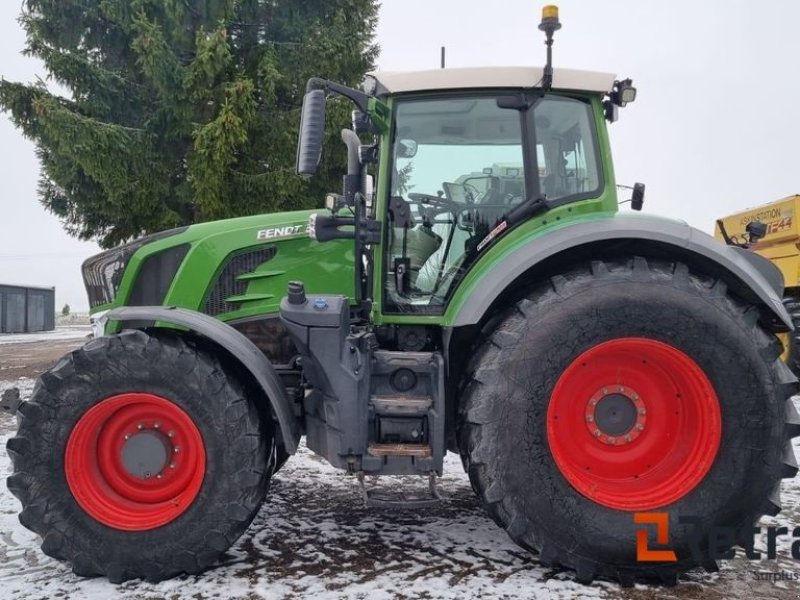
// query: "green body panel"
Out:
[324,267]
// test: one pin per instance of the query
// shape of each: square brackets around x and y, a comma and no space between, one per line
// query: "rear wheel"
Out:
[625,387]
[139,456]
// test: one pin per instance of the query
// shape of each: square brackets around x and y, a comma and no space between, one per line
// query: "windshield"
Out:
[458,168]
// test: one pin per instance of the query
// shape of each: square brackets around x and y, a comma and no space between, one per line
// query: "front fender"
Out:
[234,342]
[748,274]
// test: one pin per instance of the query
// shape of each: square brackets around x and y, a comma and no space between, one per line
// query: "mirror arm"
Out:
[360,99]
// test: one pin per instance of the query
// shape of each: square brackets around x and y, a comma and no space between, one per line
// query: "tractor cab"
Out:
[452,161]
[444,208]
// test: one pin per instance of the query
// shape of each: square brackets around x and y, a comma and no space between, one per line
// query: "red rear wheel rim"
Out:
[135,461]
[634,424]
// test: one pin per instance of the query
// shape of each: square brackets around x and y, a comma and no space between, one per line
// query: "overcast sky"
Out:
[715,128]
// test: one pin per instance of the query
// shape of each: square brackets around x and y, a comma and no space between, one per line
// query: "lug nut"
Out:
[642,411]
[157,425]
[140,426]
[127,436]
[171,465]
[597,433]
[171,433]
[590,418]
[176,449]
[159,476]
[640,427]
[612,440]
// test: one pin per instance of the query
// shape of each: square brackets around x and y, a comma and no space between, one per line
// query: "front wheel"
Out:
[139,457]
[623,387]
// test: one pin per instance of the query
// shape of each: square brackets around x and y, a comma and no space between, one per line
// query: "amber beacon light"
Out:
[549,25]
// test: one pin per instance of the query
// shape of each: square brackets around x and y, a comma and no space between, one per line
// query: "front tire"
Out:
[627,386]
[139,457]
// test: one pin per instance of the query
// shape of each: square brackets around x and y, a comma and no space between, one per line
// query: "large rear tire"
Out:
[627,386]
[139,457]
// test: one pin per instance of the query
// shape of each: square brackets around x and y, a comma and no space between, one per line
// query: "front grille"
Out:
[227,284]
[102,273]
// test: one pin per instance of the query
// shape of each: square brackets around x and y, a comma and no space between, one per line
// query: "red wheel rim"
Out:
[634,424]
[135,461]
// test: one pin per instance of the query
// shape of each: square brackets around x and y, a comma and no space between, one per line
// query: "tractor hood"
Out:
[231,269]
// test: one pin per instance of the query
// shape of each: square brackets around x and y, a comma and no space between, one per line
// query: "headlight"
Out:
[102,273]
[312,226]
[98,322]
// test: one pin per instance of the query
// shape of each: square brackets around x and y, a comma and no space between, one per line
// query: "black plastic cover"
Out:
[156,275]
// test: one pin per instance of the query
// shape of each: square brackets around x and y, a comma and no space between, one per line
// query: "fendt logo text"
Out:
[280,232]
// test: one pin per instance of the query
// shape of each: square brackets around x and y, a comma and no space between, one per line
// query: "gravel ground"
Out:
[29,354]
[314,538]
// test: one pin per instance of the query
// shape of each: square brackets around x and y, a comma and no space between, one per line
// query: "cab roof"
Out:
[398,82]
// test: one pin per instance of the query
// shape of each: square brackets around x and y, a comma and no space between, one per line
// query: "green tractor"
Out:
[473,289]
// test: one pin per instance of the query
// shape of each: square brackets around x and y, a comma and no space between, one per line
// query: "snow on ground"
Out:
[65,332]
[314,539]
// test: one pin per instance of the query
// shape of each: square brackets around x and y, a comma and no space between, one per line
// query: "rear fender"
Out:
[749,275]
[241,348]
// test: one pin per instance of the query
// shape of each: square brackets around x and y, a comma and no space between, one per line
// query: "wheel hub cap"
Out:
[146,454]
[616,414]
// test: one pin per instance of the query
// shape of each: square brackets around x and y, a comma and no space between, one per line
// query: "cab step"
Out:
[382,450]
[401,405]
[401,499]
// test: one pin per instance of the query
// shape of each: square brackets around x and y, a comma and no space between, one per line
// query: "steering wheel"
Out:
[430,200]
[431,206]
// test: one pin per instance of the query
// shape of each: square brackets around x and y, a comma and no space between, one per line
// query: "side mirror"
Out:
[312,129]
[637,198]
[406,149]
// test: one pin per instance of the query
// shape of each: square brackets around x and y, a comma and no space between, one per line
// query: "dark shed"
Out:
[25,308]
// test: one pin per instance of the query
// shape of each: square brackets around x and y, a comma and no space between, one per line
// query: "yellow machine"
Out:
[780,244]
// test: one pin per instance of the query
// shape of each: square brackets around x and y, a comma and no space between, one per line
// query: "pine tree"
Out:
[179,111]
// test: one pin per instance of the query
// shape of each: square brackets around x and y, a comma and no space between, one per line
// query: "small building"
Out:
[25,309]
